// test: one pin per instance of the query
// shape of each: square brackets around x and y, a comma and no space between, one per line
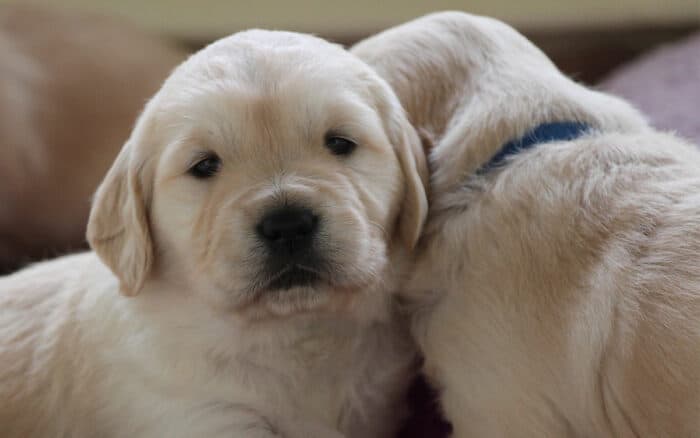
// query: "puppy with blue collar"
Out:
[557,281]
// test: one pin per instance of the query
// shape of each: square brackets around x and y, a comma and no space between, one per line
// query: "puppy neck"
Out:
[543,133]
[477,85]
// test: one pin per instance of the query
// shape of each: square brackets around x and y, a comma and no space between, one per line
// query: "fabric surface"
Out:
[665,85]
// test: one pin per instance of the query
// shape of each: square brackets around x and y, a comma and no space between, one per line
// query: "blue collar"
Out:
[544,133]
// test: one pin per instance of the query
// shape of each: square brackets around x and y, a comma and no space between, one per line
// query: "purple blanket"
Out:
[665,85]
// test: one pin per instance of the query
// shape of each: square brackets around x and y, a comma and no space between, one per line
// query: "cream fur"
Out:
[560,295]
[200,349]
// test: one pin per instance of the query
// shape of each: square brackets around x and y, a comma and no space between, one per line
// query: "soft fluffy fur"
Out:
[561,292]
[203,348]
[71,87]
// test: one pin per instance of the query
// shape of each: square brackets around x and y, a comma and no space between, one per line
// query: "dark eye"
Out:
[340,145]
[206,167]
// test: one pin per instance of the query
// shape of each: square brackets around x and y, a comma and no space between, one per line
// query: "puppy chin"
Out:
[281,303]
[343,286]
[339,295]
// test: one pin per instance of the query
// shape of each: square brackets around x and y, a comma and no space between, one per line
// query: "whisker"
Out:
[310,269]
[260,284]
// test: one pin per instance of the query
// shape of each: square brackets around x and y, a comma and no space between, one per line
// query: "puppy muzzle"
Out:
[290,236]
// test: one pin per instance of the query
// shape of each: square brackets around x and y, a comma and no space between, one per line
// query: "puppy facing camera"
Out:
[248,241]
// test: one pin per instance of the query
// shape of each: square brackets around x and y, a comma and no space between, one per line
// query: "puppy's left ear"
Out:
[412,158]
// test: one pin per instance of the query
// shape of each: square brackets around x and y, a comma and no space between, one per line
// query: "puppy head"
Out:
[273,173]
[477,84]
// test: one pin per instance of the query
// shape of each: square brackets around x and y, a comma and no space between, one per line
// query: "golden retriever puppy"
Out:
[558,271]
[71,86]
[258,217]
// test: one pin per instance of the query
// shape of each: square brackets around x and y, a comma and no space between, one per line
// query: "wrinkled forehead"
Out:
[264,61]
[299,88]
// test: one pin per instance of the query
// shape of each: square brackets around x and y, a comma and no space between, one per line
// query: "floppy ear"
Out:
[118,226]
[412,160]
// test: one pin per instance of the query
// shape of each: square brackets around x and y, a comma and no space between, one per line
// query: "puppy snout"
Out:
[288,229]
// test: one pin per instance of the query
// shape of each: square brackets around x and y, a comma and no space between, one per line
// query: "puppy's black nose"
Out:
[289,227]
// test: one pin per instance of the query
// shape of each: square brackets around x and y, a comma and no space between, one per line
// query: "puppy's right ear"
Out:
[118,229]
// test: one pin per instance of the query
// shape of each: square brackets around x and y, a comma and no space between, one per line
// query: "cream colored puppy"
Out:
[258,217]
[559,268]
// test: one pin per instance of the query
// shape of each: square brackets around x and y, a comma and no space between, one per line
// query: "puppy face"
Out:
[268,175]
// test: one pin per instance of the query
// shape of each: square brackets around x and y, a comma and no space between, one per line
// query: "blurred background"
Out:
[586,38]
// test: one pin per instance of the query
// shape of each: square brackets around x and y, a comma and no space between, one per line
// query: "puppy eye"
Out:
[340,145]
[207,167]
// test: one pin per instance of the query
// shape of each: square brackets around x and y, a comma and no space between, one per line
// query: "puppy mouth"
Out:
[292,276]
